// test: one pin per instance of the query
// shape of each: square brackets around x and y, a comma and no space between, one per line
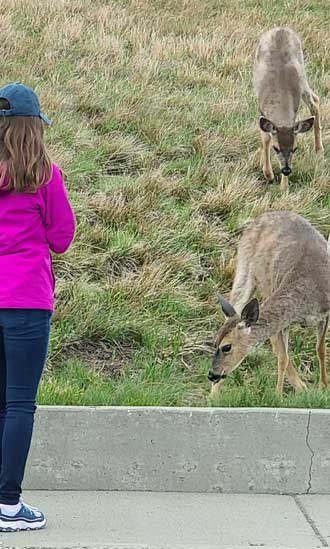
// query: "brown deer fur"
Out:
[285,259]
[280,82]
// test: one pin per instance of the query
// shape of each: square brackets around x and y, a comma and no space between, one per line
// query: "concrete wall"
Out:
[181,449]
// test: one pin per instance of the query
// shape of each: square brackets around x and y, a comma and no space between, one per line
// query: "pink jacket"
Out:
[31,225]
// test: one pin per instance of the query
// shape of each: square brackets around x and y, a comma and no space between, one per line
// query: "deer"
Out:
[287,261]
[280,82]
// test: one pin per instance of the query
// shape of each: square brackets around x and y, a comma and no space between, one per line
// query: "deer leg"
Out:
[292,373]
[294,378]
[313,103]
[265,156]
[284,186]
[282,360]
[280,345]
[216,387]
[321,350]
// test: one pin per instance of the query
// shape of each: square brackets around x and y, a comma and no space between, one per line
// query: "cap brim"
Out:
[45,119]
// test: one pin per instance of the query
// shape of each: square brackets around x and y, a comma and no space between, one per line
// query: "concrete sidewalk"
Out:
[146,520]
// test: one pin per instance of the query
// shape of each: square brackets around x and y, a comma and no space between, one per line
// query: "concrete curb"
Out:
[134,546]
[229,450]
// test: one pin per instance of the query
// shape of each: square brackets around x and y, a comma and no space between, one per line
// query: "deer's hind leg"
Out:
[321,350]
[313,103]
[280,344]
[292,373]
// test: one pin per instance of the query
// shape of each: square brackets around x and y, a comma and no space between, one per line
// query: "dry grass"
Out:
[155,126]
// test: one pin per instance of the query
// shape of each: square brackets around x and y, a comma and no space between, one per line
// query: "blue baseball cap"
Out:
[23,102]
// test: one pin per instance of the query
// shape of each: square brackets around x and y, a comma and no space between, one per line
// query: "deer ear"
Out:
[266,125]
[304,125]
[227,309]
[250,313]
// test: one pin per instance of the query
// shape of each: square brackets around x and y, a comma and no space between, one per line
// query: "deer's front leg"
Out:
[321,351]
[284,186]
[216,387]
[283,360]
[265,156]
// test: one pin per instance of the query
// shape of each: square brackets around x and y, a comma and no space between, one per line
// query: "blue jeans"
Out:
[24,336]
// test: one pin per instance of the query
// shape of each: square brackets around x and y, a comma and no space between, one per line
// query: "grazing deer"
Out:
[285,259]
[280,82]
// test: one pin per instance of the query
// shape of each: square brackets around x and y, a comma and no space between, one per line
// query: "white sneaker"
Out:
[27,518]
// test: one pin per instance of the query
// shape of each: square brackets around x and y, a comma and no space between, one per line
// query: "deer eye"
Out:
[276,150]
[226,348]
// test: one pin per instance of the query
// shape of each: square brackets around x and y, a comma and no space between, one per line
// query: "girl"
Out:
[35,218]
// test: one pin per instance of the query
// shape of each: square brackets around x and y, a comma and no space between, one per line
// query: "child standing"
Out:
[35,218]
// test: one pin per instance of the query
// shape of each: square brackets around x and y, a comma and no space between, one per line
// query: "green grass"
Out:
[155,127]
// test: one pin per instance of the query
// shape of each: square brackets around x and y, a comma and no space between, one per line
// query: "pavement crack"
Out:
[310,521]
[312,454]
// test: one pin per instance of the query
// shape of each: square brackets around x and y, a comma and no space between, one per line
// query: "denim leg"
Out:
[2,390]
[25,335]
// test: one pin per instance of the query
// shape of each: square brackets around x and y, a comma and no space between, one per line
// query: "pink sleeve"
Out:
[59,216]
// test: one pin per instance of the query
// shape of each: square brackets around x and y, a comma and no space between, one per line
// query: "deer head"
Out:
[285,139]
[234,339]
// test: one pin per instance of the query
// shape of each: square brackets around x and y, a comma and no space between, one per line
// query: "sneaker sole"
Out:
[21,525]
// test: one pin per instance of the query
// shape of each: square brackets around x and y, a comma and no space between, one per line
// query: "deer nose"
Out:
[286,170]
[214,377]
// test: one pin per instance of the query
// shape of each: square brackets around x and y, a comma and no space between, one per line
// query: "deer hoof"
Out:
[301,387]
[269,176]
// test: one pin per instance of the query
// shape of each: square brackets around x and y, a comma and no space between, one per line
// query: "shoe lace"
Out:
[27,505]
[32,512]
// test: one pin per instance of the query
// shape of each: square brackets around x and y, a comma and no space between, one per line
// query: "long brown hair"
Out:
[24,162]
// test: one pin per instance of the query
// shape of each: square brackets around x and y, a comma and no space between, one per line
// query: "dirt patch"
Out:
[103,358]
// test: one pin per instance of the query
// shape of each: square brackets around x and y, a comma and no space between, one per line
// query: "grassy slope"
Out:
[155,126]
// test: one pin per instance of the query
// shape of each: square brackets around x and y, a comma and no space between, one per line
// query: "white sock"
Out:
[10,510]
